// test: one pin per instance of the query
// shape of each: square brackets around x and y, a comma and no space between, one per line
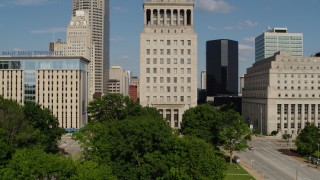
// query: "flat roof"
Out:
[43,58]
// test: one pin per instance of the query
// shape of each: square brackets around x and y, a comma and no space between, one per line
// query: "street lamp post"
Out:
[261,120]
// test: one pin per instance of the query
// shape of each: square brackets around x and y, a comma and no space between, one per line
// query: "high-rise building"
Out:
[133,92]
[281,93]
[57,83]
[88,35]
[222,61]
[203,80]
[278,39]
[168,58]
[119,81]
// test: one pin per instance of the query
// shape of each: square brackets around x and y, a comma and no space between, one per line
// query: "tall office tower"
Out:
[281,93]
[168,58]
[99,21]
[278,39]
[222,63]
[57,83]
[134,80]
[203,80]
[79,43]
[119,81]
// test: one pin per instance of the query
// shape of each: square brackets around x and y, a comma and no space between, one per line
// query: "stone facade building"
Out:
[282,93]
[168,58]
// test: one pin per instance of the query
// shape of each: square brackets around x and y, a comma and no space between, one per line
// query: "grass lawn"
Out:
[236,172]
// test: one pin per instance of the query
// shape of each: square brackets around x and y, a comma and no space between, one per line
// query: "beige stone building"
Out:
[88,35]
[57,83]
[282,93]
[168,58]
[118,81]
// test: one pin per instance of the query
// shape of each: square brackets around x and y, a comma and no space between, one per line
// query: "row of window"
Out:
[168,89]
[168,52]
[168,99]
[299,108]
[168,61]
[169,42]
[299,95]
[168,80]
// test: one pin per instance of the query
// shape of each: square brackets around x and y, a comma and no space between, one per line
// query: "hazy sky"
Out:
[28,25]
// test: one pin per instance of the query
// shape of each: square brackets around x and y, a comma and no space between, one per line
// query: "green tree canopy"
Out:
[204,122]
[113,107]
[308,139]
[26,126]
[145,147]
[235,132]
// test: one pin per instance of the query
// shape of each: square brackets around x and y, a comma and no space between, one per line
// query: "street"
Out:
[272,164]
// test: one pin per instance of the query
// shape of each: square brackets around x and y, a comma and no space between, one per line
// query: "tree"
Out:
[45,123]
[235,132]
[308,139]
[144,147]
[204,122]
[90,170]
[112,107]
[36,164]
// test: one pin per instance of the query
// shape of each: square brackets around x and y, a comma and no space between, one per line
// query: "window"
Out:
[161,71]
[175,52]
[168,98]
[154,80]
[189,79]
[189,61]
[161,42]
[175,42]
[154,98]
[168,70]
[155,52]
[161,99]
[161,79]
[189,89]
[175,98]
[182,79]
[154,60]
[161,61]
[189,42]
[155,70]
[182,51]
[154,88]
[175,80]
[168,89]
[181,61]
[168,42]
[168,79]
[161,51]
[181,89]
[182,42]
[148,70]
[182,98]
[189,51]
[148,88]
[148,42]
[189,70]
[168,61]
[168,51]
[175,61]
[148,51]
[189,98]
[154,42]
[175,71]
[182,70]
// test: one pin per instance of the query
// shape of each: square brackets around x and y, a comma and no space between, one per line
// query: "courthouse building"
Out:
[57,83]
[282,93]
[168,58]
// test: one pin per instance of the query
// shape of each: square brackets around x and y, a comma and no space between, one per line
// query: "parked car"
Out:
[236,159]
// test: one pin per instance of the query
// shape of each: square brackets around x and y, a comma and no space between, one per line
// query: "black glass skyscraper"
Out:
[222,62]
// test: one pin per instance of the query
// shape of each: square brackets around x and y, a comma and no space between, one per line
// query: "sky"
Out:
[29,25]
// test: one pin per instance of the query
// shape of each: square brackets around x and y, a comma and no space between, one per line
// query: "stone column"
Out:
[151,17]
[302,116]
[282,118]
[309,113]
[296,119]
[289,119]
[178,17]
[171,19]
[191,17]
[158,16]
[165,17]
[185,17]
[316,116]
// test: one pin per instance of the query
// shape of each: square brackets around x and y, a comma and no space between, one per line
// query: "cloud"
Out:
[249,39]
[49,30]
[28,2]
[240,25]
[17,49]
[124,58]
[215,6]
[246,52]
[119,9]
